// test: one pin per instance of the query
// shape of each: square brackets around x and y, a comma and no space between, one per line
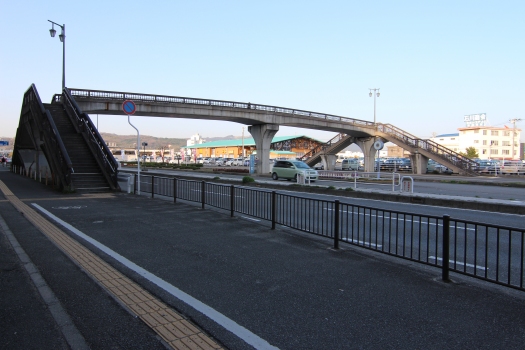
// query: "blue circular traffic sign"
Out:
[129,107]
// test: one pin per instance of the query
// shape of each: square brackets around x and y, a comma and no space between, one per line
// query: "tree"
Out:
[470,153]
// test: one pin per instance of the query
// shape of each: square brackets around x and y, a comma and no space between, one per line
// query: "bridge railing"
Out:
[323,147]
[440,152]
[54,148]
[489,252]
[121,96]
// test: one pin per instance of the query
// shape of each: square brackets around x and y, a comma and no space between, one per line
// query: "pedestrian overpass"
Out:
[38,133]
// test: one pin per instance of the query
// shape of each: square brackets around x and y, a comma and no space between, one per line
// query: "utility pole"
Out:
[513,121]
[243,144]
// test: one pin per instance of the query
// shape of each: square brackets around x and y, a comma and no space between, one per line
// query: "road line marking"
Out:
[460,263]
[362,243]
[395,219]
[211,313]
[248,218]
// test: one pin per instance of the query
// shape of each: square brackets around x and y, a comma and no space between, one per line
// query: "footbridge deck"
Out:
[264,122]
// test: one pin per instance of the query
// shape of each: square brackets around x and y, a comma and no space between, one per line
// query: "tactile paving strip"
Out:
[176,331]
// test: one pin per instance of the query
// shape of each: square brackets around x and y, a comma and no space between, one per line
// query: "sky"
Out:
[433,61]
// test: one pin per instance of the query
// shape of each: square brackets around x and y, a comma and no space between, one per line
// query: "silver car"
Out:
[289,169]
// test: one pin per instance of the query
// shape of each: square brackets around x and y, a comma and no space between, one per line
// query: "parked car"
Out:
[289,169]
[219,161]
[350,164]
[319,166]
[238,162]
[396,164]
[512,167]
[228,161]
[435,167]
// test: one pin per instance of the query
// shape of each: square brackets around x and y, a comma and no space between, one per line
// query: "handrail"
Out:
[432,147]
[54,145]
[121,96]
[86,127]
[323,146]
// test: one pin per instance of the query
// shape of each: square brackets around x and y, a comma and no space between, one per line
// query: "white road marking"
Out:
[395,218]
[243,333]
[362,243]
[461,263]
[71,207]
[245,217]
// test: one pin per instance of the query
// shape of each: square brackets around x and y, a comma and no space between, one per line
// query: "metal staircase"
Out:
[428,148]
[37,133]
[76,154]
[333,146]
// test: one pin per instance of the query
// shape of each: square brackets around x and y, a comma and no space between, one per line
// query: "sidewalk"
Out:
[286,287]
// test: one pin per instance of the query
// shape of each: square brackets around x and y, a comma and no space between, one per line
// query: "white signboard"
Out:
[475,120]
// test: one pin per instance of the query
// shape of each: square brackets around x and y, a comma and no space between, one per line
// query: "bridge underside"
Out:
[253,118]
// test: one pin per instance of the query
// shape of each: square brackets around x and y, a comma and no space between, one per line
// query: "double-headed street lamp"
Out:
[375,93]
[62,37]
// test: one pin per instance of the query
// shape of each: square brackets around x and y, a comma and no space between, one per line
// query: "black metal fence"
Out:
[489,252]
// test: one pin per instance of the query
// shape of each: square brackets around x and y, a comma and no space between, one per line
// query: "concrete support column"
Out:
[263,135]
[369,153]
[419,163]
[328,161]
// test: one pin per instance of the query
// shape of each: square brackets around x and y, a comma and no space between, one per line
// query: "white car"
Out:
[238,162]
[229,161]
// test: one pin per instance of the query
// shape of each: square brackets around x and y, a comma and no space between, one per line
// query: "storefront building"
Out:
[281,147]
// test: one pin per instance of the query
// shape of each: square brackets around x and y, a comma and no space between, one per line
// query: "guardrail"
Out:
[323,147]
[488,252]
[161,99]
[54,149]
[355,175]
[440,152]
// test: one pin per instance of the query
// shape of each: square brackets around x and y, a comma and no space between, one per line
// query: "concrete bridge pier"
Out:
[328,161]
[369,153]
[263,135]
[419,163]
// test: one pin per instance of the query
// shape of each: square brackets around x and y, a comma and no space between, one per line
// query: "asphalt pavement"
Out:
[241,283]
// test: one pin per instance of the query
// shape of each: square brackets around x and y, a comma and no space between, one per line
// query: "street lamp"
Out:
[513,121]
[62,37]
[144,144]
[375,93]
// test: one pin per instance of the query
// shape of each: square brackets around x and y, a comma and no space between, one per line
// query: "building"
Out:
[491,142]
[281,147]
[450,141]
[397,152]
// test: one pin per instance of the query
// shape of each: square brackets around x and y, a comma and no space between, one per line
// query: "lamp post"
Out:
[62,37]
[374,93]
[144,144]
[513,121]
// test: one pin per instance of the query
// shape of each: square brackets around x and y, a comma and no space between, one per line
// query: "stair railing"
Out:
[323,147]
[54,148]
[430,146]
[90,132]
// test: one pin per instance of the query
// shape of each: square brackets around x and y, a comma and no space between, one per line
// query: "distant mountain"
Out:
[129,141]
[229,137]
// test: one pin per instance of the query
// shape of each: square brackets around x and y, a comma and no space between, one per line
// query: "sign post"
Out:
[129,108]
